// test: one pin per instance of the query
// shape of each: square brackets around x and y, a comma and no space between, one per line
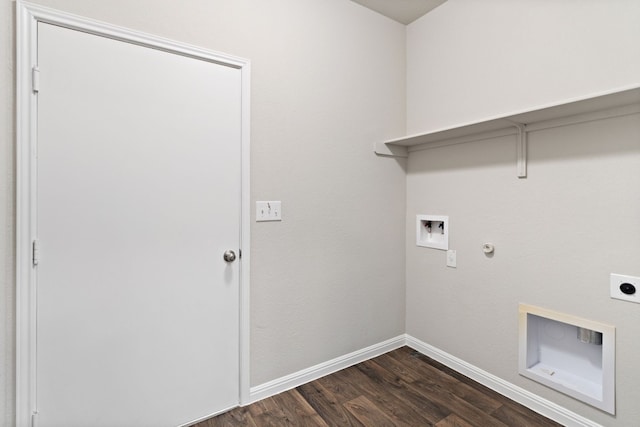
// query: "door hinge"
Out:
[35,79]
[35,252]
[239,253]
[34,419]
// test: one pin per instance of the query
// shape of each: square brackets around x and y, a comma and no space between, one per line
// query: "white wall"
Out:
[470,60]
[328,79]
[560,232]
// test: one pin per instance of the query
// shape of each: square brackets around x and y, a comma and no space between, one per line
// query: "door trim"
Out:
[27,19]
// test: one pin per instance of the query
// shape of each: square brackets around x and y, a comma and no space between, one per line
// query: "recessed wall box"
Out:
[432,231]
[572,355]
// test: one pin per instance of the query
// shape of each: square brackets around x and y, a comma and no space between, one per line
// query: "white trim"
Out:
[245,237]
[35,13]
[27,17]
[513,392]
[26,120]
[304,376]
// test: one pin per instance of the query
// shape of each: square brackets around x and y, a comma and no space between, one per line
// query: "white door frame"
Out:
[28,16]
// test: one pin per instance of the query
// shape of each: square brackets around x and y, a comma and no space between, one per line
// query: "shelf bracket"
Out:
[521,149]
[390,150]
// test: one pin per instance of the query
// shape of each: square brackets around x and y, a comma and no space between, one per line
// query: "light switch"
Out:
[269,211]
[451,258]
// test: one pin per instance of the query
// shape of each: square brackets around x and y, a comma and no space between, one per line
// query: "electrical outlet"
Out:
[626,288]
[269,211]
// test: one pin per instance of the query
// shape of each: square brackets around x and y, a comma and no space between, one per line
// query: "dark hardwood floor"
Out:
[400,388]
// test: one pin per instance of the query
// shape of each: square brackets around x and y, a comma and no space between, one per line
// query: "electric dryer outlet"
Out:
[626,288]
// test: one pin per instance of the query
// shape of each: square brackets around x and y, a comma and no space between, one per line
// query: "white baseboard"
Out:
[318,371]
[513,392]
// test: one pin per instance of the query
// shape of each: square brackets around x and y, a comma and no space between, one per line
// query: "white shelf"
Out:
[624,102]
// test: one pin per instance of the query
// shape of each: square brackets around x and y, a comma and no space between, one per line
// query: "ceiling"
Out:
[403,11]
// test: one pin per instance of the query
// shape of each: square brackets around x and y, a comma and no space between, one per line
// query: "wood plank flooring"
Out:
[400,388]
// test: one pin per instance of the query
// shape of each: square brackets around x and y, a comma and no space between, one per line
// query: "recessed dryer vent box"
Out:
[572,355]
[432,231]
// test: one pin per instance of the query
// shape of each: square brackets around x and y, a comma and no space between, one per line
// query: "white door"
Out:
[138,197]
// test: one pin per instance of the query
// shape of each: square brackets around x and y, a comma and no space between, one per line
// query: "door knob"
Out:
[229,255]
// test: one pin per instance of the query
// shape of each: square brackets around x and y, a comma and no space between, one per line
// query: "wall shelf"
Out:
[618,103]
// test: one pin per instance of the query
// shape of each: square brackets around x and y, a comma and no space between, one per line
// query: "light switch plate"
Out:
[617,280]
[451,258]
[268,211]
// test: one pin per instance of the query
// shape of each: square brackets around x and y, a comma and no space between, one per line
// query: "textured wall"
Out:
[560,232]
[558,235]
[328,79]
[470,60]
